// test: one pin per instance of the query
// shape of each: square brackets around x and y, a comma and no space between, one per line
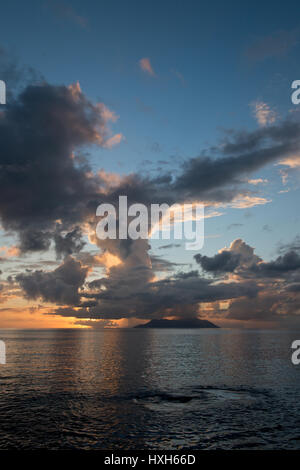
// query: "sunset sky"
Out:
[165,102]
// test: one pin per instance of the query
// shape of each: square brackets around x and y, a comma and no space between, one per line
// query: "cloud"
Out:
[49,194]
[284,264]
[42,179]
[292,246]
[261,308]
[266,228]
[14,75]
[131,289]
[244,202]
[60,286]
[69,243]
[257,181]
[169,245]
[160,264]
[273,45]
[219,176]
[114,140]
[146,66]
[179,76]
[234,225]
[97,324]
[155,147]
[106,113]
[277,282]
[263,113]
[178,297]
[9,251]
[291,162]
[64,10]
[228,259]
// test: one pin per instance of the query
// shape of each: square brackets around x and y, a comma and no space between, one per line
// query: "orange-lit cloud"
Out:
[291,162]
[244,202]
[114,140]
[108,260]
[75,90]
[111,180]
[107,114]
[257,181]
[146,66]
[9,251]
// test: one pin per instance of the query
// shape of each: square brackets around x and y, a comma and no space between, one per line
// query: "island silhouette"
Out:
[181,323]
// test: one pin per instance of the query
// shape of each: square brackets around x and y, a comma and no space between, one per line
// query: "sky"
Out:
[165,102]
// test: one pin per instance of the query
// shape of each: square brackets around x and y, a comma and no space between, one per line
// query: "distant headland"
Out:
[187,323]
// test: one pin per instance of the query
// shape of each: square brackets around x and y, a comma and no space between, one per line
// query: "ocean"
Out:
[134,389]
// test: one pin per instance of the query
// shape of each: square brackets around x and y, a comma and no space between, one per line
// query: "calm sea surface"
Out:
[149,389]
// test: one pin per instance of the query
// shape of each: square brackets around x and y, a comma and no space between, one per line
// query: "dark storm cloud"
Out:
[292,246]
[68,244]
[187,275]
[279,267]
[40,180]
[161,264]
[15,75]
[33,240]
[260,291]
[294,288]
[238,256]
[219,178]
[60,286]
[226,261]
[218,175]
[168,246]
[278,282]
[172,296]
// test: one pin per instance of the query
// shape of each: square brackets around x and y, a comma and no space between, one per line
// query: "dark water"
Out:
[146,389]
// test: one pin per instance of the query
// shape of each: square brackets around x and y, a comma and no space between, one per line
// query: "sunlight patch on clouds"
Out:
[291,162]
[257,181]
[263,113]
[244,202]
[108,260]
[9,251]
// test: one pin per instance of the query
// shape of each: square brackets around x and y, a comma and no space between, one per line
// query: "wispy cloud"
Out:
[65,11]
[179,76]
[244,202]
[263,113]
[291,162]
[257,181]
[114,140]
[146,66]
[273,45]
